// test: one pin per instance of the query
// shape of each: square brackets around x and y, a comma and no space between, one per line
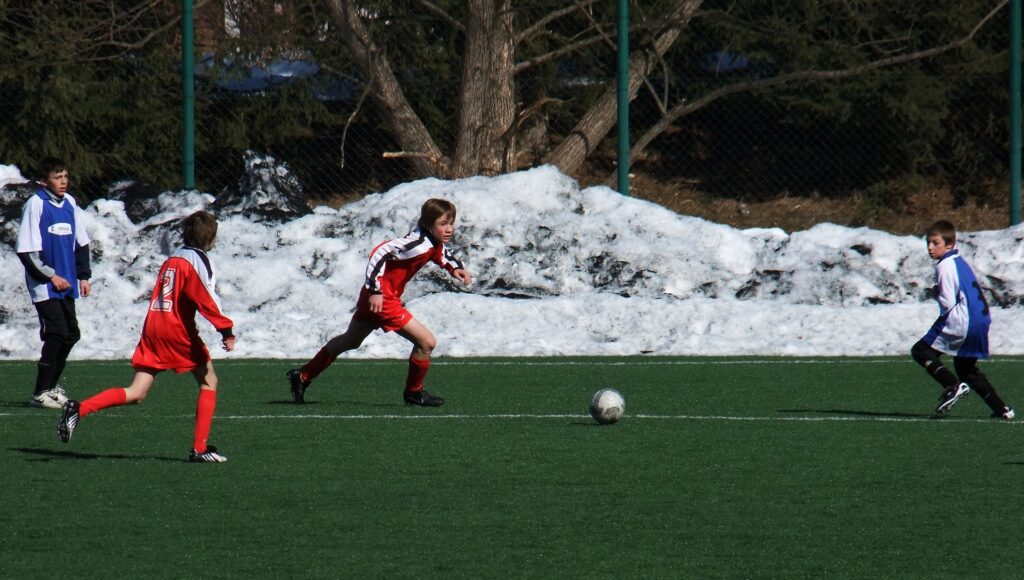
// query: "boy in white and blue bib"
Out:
[961,330]
[54,248]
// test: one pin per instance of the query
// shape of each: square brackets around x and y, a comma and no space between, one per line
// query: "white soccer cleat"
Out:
[59,394]
[47,400]
[1006,414]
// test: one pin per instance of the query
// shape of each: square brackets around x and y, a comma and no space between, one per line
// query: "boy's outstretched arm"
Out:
[462,276]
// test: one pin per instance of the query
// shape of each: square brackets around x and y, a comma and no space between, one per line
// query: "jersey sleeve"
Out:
[447,260]
[206,300]
[377,264]
[81,234]
[949,285]
[29,237]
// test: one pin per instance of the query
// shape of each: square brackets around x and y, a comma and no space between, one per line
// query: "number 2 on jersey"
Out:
[164,301]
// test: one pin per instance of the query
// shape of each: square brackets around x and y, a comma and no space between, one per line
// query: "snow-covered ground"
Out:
[558,271]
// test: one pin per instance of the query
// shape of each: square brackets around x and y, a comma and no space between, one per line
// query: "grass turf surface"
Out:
[722,468]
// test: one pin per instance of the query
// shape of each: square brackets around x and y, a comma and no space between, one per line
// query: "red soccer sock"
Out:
[417,372]
[204,417]
[316,365]
[111,397]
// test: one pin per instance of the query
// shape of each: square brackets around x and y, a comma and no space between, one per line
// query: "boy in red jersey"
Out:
[170,340]
[392,264]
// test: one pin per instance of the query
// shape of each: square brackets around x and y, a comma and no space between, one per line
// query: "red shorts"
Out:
[156,354]
[392,316]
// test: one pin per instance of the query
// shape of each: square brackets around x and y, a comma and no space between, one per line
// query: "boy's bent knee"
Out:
[923,353]
[426,347]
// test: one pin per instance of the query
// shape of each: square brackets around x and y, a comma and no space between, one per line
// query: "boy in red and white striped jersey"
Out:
[170,340]
[392,264]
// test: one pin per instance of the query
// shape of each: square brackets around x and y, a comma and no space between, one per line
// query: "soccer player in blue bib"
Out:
[961,330]
[54,248]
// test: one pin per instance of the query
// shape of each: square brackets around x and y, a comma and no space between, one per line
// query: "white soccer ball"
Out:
[607,406]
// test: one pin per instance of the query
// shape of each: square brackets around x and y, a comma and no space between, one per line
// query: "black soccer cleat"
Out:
[68,421]
[422,399]
[950,397]
[298,386]
[209,456]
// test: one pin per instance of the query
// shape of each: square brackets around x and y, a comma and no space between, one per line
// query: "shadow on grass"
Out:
[23,405]
[861,413]
[37,454]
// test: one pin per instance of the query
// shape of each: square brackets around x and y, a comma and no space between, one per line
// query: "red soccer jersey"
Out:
[393,263]
[170,339]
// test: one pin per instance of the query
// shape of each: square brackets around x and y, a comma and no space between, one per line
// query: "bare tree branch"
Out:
[541,24]
[116,27]
[396,112]
[685,108]
[508,138]
[438,11]
[562,51]
[598,121]
[348,123]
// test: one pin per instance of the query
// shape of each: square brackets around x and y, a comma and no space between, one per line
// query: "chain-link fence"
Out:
[936,122]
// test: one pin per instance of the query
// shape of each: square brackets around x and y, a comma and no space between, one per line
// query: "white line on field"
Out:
[544,363]
[451,417]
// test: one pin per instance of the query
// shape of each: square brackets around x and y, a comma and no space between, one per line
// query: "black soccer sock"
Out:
[59,364]
[928,357]
[978,382]
[48,365]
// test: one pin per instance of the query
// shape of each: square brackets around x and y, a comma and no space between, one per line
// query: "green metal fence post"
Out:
[622,96]
[1015,113]
[188,113]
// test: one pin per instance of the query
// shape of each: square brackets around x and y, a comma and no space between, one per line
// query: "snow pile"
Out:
[558,270]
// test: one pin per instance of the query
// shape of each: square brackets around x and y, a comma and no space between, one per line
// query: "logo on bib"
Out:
[60,229]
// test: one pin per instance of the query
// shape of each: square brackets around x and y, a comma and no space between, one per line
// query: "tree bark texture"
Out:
[599,120]
[487,104]
[397,114]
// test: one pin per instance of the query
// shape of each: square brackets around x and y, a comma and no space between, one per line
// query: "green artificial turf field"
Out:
[722,468]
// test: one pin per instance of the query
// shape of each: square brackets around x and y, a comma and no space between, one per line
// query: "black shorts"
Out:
[57,319]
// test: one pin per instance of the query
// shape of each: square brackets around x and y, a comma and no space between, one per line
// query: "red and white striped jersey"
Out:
[184,286]
[393,263]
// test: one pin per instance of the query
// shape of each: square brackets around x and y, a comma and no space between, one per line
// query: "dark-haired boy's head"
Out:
[48,166]
[945,229]
[199,230]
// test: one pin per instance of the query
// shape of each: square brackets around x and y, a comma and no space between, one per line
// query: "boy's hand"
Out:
[376,303]
[229,343]
[463,276]
[59,283]
[84,288]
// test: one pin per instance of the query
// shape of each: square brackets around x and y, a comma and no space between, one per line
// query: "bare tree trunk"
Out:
[398,115]
[487,103]
[599,120]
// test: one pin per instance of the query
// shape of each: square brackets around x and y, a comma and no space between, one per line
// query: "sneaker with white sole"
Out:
[209,456]
[68,421]
[950,397]
[45,400]
[59,394]
[1006,414]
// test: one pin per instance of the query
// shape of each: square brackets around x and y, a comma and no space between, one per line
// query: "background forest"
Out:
[738,107]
